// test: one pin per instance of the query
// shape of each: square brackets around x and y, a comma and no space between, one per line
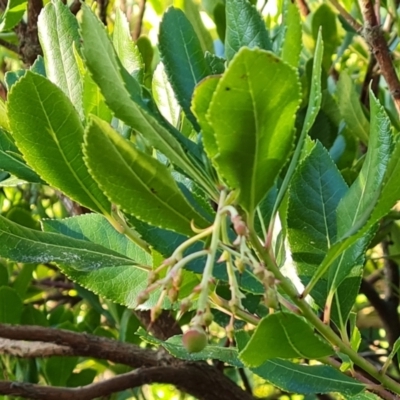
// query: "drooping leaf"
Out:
[183,57]
[26,245]
[292,43]
[13,13]
[244,27]
[128,105]
[58,34]
[307,379]
[201,103]
[129,280]
[49,134]
[287,336]
[135,181]
[11,160]
[164,96]
[251,148]
[125,48]
[350,108]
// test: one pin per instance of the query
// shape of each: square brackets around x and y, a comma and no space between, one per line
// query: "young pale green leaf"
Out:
[135,181]
[58,34]
[174,346]
[164,96]
[11,306]
[95,229]
[128,105]
[307,379]
[252,116]
[49,134]
[244,28]
[125,48]
[350,108]
[26,245]
[13,14]
[183,57]
[291,24]
[201,103]
[12,161]
[287,336]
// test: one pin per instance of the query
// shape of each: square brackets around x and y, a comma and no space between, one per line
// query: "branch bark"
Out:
[196,378]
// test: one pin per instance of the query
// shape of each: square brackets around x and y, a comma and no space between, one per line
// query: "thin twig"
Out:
[9,46]
[373,35]
[139,23]
[347,16]
[303,7]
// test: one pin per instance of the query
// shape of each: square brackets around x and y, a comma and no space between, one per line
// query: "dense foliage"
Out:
[216,211]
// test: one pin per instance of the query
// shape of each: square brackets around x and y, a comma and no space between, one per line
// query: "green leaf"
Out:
[288,336]
[306,379]
[135,181]
[125,48]
[11,160]
[314,104]
[96,230]
[354,211]
[26,245]
[292,43]
[357,205]
[4,124]
[59,369]
[325,17]
[49,134]
[201,103]
[11,306]
[191,10]
[244,28]
[182,56]
[13,13]
[350,108]
[58,34]
[164,96]
[315,192]
[129,106]
[364,396]
[174,346]
[253,149]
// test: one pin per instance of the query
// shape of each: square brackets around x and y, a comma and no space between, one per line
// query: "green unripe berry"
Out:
[195,339]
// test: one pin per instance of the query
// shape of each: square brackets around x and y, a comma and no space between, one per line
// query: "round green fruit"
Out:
[195,339]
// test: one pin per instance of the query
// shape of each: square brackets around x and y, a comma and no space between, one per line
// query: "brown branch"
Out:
[303,7]
[163,328]
[83,344]
[199,380]
[139,22]
[369,76]
[24,349]
[75,6]
[373,35]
